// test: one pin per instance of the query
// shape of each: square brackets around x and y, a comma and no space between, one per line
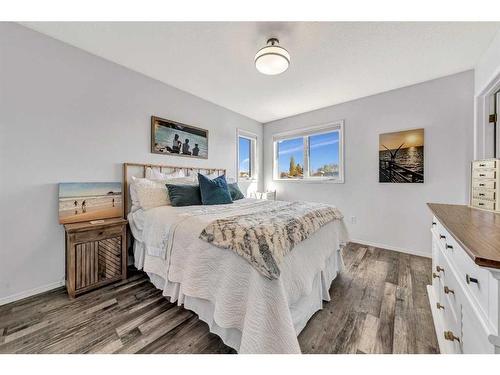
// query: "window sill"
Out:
[247,180]
[309,181]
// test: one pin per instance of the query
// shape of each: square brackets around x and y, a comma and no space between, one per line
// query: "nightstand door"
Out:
[97,261]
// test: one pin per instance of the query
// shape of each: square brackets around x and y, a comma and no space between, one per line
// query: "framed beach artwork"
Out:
[173,138]
[85,201]
[401,156]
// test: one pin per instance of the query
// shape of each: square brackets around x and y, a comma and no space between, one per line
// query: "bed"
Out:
[251,313]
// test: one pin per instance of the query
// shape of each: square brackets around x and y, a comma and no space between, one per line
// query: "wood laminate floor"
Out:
[379,305]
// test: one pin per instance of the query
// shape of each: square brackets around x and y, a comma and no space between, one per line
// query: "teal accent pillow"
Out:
[235,191]
[214,191]
[184,195]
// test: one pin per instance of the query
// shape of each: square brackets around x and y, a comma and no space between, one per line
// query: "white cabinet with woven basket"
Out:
[485,181]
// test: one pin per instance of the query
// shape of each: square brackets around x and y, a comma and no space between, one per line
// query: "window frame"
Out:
[305,134]
[240,133]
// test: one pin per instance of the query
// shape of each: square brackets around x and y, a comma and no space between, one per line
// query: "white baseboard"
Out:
[31,292]
[394,248]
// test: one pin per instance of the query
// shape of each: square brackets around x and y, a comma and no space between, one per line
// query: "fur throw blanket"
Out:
[264,238]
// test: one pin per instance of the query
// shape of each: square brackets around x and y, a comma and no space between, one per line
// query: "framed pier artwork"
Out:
[401,156]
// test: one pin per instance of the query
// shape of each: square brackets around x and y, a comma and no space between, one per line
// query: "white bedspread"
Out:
[262,310]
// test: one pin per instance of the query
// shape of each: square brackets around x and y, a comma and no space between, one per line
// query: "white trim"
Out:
[482,112]
[306,132]
[31,292]
[394,248]
[254,171]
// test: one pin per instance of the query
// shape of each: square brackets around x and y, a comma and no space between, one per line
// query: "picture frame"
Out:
[401,156]
[177,139]
[86,201]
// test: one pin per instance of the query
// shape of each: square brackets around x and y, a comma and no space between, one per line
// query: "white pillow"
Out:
[151,193]
[148,193]
[155,174]
[133,195]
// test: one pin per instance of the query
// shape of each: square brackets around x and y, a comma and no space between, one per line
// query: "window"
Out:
[314,154]
[246,155]
[291,158]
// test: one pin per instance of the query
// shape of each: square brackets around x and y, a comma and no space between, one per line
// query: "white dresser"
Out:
[465,291]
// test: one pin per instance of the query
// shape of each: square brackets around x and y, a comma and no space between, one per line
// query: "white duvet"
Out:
[267,314]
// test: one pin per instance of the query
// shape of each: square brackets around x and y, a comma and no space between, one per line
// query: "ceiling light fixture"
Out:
[272,59]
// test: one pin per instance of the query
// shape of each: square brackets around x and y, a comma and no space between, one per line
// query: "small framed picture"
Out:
[173,138]
[86,201]
[401,156]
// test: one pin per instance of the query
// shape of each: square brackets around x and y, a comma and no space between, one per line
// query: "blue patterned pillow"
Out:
[214,191]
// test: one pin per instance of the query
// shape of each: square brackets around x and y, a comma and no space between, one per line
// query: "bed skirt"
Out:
[301,311]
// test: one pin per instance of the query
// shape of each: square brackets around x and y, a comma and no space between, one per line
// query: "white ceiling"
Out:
[331,62]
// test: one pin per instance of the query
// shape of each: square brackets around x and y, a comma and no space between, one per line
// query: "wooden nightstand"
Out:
[96,254]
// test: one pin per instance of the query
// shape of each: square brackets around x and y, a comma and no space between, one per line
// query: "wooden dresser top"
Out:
[476,231]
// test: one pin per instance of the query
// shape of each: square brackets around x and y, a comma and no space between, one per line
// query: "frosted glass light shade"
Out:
[272,60]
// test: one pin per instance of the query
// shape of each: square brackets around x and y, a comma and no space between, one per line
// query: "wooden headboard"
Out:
[139,170]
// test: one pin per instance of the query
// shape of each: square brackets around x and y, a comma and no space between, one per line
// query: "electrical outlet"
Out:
[353,219]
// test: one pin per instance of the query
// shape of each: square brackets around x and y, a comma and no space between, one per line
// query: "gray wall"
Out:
[392,215]
[66,115]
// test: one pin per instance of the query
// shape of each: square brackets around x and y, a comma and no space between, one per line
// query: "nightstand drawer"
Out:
[97,234]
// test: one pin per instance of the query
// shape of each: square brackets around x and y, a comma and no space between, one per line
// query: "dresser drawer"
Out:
[483,184]
[450,296]
[484,164]
[483,194]
[487,173]
[474,338]
[483,203]
[471,277]
[437,273]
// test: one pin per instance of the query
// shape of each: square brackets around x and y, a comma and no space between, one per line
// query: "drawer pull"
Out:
[481,204]
[482,165]
[481,194]
[448,335]
[442,236]
[434,223]
[435,275]
[482,175]
[481,185]
[449,246]
[469,279]
[439,269]
[439,306]
[448,290]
